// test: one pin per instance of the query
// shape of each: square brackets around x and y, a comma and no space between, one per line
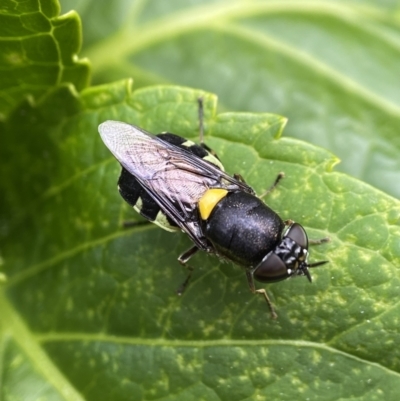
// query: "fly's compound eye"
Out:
[297,233]
[287,259]
[271,269]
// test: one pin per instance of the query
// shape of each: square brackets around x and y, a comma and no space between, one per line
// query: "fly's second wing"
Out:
[175,178]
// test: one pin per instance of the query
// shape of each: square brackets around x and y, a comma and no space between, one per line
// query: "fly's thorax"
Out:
[242,228]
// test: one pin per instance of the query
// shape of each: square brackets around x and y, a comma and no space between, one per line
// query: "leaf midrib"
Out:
[160,342]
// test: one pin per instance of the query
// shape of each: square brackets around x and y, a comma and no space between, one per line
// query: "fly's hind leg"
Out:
[262,292]
[183,259]
[132,223]
[201,120]
[201,129]
[239,178]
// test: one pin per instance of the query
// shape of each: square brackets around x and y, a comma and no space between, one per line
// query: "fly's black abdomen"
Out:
[243,229]
[129,188]
[136,196]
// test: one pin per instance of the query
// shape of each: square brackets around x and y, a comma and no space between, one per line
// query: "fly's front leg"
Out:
[273,186]
[183,259]
[319,241]
[262,292]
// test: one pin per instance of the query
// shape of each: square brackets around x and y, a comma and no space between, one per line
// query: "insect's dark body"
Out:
[180,185]
[238,218]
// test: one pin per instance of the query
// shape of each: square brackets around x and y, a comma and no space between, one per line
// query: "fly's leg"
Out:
[183,259]
[319,241]
[274,185]
[262,292]
[131,223]
[201,120]
[201,129]
[239,178]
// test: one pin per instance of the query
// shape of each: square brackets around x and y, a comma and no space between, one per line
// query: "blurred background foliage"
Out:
[330,67]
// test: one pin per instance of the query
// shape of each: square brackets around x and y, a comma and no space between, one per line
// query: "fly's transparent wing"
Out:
[175,178]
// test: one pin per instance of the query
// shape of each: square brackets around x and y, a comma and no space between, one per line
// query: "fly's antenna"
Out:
[315,264]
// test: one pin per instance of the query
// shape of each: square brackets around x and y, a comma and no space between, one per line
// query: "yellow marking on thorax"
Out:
[209,200]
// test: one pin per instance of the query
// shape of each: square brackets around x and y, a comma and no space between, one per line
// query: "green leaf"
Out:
[38,51]
[330,67]
[89,309]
